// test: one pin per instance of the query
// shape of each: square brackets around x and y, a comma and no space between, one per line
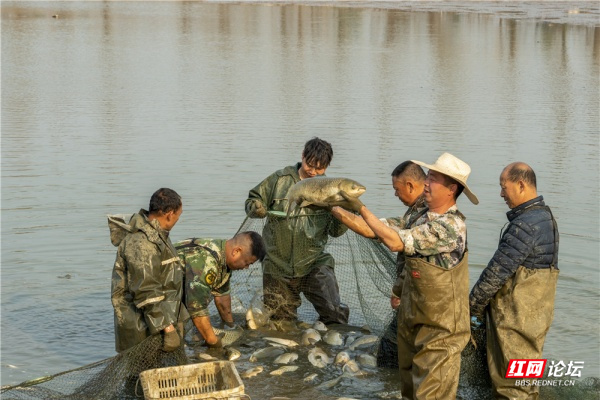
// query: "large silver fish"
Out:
[322,192]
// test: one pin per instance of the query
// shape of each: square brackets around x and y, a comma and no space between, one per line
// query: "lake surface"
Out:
[112,100]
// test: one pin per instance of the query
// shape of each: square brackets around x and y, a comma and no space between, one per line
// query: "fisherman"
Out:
[516,290]
[433,320]
[208,267]
[147,278]
[296,261]
[408,181]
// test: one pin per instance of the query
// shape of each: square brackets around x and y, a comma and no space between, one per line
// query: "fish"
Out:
[285,342]
[330,383]
[333,338]
[266,352]
[310,378]
[233,354]
[367,360]
[310,337]
[320,326]
[351,368]
[252,372]
[318,357]
[286,358]
[206,357]
[341,358]
[229,336]
[351,337]
[284,369]
[363,341]
[256,318]
[322,191]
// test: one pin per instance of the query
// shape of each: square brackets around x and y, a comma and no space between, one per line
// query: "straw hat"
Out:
[455,168]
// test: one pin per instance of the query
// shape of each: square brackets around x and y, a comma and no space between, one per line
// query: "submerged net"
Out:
[365,271]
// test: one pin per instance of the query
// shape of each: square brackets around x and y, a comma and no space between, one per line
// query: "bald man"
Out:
[515,292]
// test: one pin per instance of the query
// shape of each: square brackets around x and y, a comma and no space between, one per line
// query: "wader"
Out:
[517,321]
[433,328]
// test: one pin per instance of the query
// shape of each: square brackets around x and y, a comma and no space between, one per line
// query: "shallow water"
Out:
[112,100]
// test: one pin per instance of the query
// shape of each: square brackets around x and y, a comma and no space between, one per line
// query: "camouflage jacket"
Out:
[147,281]
[440,239]
[531,240]
[294,245]
[398,223]
[206,273]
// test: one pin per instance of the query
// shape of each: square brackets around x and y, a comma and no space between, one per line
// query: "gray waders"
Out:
[518,318]
[433,328]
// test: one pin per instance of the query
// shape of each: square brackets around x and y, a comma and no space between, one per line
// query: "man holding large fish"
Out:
[408,182]
[296,261]
[433,321]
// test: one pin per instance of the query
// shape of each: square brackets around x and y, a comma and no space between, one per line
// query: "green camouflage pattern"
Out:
[147,282]
[441,239]
[206,273]
[295,245]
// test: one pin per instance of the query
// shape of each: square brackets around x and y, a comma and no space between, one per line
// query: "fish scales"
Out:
[322,192]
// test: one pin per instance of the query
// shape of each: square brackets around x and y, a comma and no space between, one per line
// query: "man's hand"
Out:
[394,301]
[351,203]
[171,340]
[257,210]
[476,323]
[218,344]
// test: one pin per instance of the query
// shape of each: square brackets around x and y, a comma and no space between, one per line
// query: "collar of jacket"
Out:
[292,171]
[152,229]
[520,209]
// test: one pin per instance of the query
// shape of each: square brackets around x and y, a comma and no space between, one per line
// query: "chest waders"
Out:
[518,319]
[433,328]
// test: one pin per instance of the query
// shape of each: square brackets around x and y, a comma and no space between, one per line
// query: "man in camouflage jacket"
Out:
[148,275]
[408,180]
[208,267]
[433,324]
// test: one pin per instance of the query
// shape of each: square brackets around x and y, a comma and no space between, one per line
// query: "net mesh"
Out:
[365,271]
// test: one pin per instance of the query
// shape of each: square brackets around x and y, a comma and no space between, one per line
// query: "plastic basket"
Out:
[208,380]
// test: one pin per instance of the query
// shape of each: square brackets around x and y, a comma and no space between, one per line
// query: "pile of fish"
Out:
[341,351]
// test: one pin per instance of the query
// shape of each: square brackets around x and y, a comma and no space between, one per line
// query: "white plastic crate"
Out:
[208,380]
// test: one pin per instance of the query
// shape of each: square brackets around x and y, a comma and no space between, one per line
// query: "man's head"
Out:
[518,184]
[165,206]
[244,249]
[445,181]
[408,180]
[316,157]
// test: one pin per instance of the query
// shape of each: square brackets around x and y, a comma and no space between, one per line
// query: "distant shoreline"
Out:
[582,13]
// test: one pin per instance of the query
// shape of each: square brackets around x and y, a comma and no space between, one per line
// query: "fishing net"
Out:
[112,378]
[365,271]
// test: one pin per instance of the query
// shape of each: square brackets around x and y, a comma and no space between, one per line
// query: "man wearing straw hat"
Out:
[433,320]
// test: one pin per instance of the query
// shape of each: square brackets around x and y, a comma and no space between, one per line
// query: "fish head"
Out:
[352,188]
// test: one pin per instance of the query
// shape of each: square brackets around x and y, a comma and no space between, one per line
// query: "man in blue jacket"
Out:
[516,290]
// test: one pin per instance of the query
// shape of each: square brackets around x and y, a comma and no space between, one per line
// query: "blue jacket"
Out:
[530,240]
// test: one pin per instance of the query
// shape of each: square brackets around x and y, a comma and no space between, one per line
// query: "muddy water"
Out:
[111,100]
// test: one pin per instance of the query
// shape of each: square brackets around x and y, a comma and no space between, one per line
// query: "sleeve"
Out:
[516,244]
[396,223]
[442,235]
[145,273]
[260,194]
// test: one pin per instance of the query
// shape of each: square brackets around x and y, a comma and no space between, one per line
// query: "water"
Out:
[112,100]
